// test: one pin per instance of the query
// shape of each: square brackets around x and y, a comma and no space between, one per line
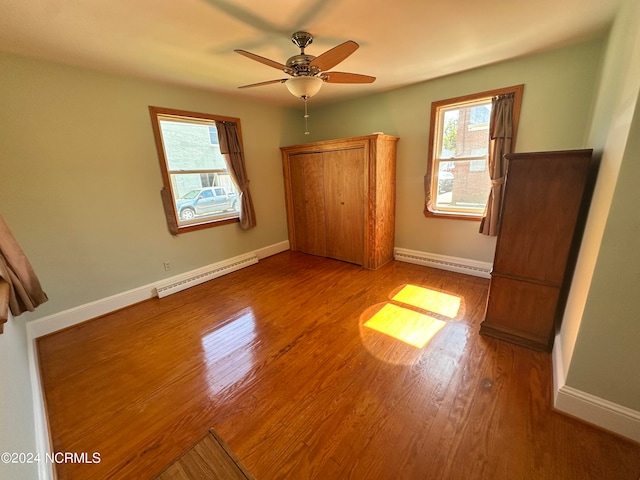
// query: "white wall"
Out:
[606,358]
[597,350]
[17,431]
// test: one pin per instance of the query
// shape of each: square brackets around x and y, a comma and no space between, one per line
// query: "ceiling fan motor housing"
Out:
[302,40]
[299,64]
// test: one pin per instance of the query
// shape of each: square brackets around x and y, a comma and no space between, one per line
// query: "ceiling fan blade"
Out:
[331,58]
[263,60]
[342,77]
[280,80]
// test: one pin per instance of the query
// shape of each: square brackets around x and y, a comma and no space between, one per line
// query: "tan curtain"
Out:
[167,205]
[231,148]
[500,143]
[25,290]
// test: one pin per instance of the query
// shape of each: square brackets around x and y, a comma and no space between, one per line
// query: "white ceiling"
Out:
[191,42]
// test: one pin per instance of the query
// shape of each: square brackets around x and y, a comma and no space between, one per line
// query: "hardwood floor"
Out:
[208,458]
[277,359]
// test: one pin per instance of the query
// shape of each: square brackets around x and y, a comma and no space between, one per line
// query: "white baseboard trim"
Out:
[41,423]
[73,316]
[196,277]
[272,249]
[557,365]
[598,411]
[52,323]
[444,262]
[589,408]
[204,274]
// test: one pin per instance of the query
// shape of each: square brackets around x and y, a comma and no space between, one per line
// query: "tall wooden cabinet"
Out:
[544,203]
[340,198]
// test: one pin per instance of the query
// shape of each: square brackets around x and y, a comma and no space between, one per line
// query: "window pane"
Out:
[184,183]
[449,143]
[462,187]
[195,202]
[190,146]
[458,166]
[465,130]
[201,191]
[480,115]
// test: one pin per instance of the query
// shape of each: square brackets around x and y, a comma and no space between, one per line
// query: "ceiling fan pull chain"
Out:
[306,116]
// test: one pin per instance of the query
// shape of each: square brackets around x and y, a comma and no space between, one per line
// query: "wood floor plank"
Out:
[209,459]
[279,360]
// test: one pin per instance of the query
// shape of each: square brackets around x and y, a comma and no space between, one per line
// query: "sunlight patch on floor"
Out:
[399,330]
[406,325]
[430,300]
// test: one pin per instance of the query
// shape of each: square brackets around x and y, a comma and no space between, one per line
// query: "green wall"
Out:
[556,111]
[600,333]
[606,360]
[80,179]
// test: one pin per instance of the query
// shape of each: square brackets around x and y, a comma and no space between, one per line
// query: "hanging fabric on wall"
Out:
[231,149]
[500,143]
[25,290]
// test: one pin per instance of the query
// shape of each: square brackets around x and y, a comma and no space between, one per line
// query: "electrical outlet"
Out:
[167,266]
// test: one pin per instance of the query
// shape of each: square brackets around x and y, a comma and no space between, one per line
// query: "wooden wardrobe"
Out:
[544,204]
[340,197]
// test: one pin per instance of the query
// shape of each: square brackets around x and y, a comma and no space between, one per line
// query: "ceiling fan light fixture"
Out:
[304,87]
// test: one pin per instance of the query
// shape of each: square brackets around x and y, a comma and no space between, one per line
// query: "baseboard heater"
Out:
[204,274]
[444,262]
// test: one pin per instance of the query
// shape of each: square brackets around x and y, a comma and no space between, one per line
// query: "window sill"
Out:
[452,216]
[207,224]
[4,303]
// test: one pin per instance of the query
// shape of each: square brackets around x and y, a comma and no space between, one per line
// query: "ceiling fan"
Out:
[308,73]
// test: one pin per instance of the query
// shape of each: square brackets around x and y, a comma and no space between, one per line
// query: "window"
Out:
[458,182]
[194,171]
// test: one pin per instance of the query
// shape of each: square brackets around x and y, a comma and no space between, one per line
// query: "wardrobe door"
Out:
[545,199]
[307,180]
[344,204]
[540,209]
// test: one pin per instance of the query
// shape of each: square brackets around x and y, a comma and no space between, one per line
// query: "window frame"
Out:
[431,178]
[201,222]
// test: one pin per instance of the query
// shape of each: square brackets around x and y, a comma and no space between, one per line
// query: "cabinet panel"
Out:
[340,197]
[521,312]
[308,203]
[541,203]
[546,196]
[344,202]
[382,205]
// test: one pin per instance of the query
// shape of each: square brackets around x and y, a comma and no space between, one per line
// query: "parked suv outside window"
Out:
[206,201]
